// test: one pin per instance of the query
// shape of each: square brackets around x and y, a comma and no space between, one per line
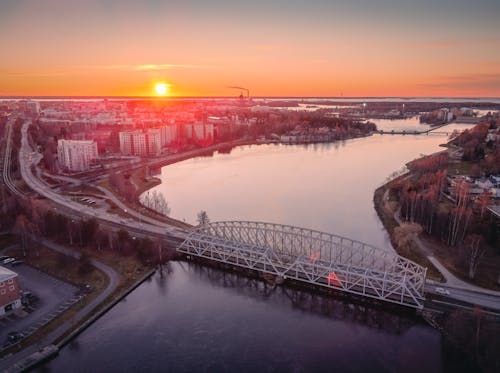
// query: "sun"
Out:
[161,89]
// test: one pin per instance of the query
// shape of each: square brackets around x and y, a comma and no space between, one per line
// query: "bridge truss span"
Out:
[311,256]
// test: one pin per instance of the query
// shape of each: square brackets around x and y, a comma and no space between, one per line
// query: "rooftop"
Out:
[6,274]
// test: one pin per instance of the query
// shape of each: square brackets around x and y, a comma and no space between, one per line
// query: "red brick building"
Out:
[10,295]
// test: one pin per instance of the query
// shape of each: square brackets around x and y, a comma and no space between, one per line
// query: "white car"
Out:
[9,260]
[442,291]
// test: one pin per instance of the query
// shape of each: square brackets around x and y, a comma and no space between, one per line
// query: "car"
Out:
[3,257]
[8,260]
[15,263]
[14,336]
[442,291]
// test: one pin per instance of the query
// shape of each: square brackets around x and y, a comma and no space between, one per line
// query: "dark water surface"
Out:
[196,318]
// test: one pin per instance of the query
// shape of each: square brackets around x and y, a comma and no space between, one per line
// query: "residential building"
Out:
[169,134]
[10,294]
[203,133]
[143,144]
[33,107]
[76,155]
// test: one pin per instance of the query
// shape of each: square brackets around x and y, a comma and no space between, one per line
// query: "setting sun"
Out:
[161,89]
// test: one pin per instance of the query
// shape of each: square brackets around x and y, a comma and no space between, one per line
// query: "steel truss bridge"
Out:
[312,257]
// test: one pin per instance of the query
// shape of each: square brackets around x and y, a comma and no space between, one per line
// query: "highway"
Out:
[459,291]
[28,159]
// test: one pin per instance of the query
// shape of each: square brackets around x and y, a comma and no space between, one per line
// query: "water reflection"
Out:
[327,187]
[198,319]
[289,297]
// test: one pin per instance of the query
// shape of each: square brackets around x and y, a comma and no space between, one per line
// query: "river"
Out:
[194,318]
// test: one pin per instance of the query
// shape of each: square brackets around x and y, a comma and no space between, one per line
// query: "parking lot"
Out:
[50,297]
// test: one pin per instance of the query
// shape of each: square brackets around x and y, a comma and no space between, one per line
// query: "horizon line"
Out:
[237,97]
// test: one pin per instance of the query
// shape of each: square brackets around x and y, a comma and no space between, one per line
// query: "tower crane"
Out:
[242,89]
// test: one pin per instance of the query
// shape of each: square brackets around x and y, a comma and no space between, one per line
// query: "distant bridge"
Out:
[312,257]
[431,130]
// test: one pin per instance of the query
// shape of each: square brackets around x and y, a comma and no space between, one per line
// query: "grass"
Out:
[487,273]
[413,253]
[7,240]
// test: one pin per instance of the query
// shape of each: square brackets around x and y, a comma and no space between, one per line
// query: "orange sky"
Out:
[279,48]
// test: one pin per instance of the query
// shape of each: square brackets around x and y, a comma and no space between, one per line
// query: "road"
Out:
[28,159]
[459,290]
[114,281]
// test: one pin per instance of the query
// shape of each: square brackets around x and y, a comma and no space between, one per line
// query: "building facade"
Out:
[142,144]
[76,155]
[10,294]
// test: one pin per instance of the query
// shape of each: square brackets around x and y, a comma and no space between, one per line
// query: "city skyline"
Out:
[298,48]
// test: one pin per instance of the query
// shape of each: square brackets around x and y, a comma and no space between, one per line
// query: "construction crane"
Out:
[242,89]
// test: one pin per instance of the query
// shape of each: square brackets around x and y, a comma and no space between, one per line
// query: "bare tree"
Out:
[474,251]
[202,218]
[405,233]
[156,201]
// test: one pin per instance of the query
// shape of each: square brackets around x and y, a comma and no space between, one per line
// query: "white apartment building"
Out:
[76,155]
[33,106]
[203,131]
[140,143]
[169,134]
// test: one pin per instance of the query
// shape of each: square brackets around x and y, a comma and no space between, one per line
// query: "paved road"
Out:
[51,292]
[459,289]
[29,158]
[114,280]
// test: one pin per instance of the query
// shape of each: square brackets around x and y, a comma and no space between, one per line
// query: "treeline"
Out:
[477,147]
[463,223]
[34,218]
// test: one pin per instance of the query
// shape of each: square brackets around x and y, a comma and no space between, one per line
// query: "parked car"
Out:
[8,260]
[13,337]
[442,291]
[3,257]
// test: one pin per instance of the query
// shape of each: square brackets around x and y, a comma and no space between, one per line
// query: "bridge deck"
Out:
[291,253]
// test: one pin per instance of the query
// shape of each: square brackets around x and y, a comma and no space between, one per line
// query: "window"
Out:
[10,281]
[1,284]
[12,288]
[2,291]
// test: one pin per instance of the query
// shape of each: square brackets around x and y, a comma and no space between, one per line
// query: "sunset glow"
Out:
[363,48]
[161,89]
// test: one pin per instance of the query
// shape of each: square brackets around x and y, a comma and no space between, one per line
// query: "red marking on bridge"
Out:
[333,280]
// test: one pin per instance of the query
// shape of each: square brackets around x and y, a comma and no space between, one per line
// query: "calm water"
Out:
[200,319]
[328,187]
[197,319]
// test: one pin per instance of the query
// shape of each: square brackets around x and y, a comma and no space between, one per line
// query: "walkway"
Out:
[459,289]
[8,363]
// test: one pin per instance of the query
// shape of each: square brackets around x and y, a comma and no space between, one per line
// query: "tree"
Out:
[101,238]
[22,229]
[203,218]
[89,228]
[405,233]
[474,251]
[156,201]
[483,201]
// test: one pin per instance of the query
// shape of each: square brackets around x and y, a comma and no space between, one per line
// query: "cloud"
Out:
[143,67]
[72,70]
[489,81]
[449,44]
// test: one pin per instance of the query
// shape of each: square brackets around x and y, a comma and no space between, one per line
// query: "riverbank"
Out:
[444,263]
[385,209]
[100,298]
